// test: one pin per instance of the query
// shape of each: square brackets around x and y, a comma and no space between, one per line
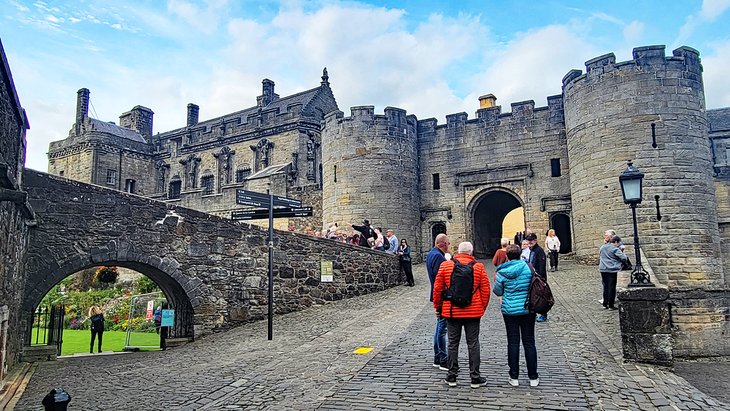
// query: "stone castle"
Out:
[560,163]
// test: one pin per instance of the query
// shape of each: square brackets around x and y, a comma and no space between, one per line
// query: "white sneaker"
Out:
[514,383]
[601,301]
[535,382]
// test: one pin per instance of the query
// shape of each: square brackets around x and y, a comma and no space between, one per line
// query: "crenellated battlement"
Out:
[684,59]
[393,119]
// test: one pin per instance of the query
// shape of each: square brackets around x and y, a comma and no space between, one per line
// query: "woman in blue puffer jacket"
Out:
[512,284]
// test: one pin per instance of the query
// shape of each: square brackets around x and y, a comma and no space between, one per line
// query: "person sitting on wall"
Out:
[366,233]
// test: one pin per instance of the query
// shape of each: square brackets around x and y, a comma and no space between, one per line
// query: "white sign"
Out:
[150,309]
[326,275]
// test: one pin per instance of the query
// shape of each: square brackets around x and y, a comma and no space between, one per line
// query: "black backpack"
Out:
[539,296]
[461,286]
[386,243]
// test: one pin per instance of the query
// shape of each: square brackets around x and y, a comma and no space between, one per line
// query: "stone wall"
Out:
[509,152]
[608,114]
[14,213]
[212,270]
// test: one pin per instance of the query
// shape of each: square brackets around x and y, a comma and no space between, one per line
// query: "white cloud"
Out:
[205,20]
[710,11]
[371,55]
[717,82]
[532,66]
[633,32]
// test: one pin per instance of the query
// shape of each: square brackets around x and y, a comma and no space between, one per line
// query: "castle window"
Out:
[111,176]
[60,173]
[175,186]
[335,174]
[436,181]
[129,185]
[555,167]
[242,173]
[207,184]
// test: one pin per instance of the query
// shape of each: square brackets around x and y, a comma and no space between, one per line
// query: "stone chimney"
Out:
[487,101]
[82,106]
[138,119]
[193,111]
[267,93]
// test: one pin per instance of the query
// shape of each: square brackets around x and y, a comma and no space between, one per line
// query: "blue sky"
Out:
[431,58]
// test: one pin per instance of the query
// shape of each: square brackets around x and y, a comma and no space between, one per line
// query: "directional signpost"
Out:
[288,207]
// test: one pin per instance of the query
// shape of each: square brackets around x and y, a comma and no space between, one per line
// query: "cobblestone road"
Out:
[310,364]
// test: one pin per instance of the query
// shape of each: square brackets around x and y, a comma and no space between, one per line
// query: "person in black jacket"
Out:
[538,261]
[366,232]
[97,326]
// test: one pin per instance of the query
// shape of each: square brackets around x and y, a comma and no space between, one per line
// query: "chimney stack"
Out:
[487,101]
[193,111]
[267,93]
[82,106]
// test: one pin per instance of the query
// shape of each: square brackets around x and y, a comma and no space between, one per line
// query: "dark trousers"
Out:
[609,288]
[94,333]
[521,327]
[471,328]
[553,258]
[408,270]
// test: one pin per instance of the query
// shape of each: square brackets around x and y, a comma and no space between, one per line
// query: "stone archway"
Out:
[488,211]
[164,272]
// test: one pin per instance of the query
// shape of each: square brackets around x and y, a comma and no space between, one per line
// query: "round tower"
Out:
[609,114]
[370,171]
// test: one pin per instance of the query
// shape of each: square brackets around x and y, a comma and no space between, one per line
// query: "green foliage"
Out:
[144,285]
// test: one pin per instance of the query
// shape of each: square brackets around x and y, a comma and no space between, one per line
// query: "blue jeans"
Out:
[439,341]
[524,326]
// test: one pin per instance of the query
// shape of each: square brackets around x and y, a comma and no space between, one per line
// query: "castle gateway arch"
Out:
[494,213]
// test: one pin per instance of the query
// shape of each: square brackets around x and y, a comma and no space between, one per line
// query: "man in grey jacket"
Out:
[611,259]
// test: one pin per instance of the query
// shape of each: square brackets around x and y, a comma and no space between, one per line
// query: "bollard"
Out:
[56,400]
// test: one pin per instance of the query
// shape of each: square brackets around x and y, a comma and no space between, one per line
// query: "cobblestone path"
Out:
[310,363]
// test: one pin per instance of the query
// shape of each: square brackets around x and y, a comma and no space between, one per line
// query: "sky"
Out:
[431,58]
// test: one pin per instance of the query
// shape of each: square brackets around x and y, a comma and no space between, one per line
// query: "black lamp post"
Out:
[631,188]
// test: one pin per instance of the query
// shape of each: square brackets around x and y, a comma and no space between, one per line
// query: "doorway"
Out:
[560,222]
[488,221]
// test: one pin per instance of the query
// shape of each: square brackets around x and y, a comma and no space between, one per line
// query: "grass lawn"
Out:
[77,341]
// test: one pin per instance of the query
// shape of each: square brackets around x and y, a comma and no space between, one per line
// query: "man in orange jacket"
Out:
[468,317]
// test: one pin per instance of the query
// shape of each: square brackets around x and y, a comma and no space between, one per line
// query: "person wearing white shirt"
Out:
[552,245]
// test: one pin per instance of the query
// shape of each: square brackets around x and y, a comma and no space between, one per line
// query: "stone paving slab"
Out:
[310,364]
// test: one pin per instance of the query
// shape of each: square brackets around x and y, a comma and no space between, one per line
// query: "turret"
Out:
[609,114]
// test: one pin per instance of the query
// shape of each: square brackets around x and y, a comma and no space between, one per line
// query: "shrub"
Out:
[106,275]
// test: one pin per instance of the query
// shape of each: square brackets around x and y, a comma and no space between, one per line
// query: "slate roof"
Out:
[116,130]
[302,98]
[718,120]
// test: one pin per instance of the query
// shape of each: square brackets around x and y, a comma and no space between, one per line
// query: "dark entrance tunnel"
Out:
[489,215]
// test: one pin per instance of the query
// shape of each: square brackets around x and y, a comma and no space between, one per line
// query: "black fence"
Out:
[47,326]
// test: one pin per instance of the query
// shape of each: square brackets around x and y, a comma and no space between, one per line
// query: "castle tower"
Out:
[609,113]
[370,171]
